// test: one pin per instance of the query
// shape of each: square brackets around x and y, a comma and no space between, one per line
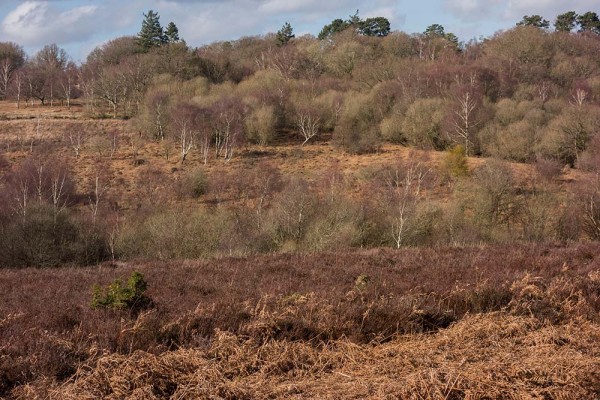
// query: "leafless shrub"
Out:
[548,170]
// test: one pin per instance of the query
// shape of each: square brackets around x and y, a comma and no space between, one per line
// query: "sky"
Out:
[79,26]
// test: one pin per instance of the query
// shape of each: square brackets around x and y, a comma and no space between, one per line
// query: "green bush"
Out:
[391,129]
[260,125]
[171,233]
[43,237]
[116,296]
[422,124]
[199,183]
[455,163]
[193,184]
[358,130]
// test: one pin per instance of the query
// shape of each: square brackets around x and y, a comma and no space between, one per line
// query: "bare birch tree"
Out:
[184,122]
[77,139]
[403,183]
[68,82]
[227,120]
[100,186]
[308,124]
[463,119]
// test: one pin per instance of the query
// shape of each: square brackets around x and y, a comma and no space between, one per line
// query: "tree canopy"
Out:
[13,52]
[285,34]
[437,31]
[566,22]
[336,26]
[536,21]
[172,33]
[589,22]
[152,34]
[52,57]
[376,26]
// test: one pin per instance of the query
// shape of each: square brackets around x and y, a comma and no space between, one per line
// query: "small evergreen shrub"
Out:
[117,296]
[361,282]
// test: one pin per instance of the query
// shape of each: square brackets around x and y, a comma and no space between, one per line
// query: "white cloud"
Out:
[471,10]
[389,9]
[34,23]
[548,8]
[234,18]
[513,10]
[287,6]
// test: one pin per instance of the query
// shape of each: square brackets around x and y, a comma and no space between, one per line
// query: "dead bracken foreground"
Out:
[495,322]
[494,356]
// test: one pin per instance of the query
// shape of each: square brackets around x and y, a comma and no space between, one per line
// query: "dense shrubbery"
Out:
[38,225]
[519,94]
[256,210]
[41,239]
[398,206]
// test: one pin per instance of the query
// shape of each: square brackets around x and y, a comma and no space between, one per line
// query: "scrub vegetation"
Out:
[363,214]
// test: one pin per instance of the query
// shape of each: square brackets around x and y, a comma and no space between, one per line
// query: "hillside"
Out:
[363,214]
[123,182]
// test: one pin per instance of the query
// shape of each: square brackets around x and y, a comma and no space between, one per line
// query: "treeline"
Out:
[520,95]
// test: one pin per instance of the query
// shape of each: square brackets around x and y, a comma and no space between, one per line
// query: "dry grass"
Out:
[20,138]
[9,110]
[493,356]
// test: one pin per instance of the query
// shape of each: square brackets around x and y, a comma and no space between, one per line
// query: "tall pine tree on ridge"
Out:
[151,35]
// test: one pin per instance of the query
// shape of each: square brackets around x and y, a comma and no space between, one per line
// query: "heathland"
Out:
[366,214]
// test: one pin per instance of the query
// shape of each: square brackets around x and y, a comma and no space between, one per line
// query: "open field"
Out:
[9,111]
[448,323]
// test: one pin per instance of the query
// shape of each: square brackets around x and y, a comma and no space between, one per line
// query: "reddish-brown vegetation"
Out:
[286,153]
[494,356]
[251,324]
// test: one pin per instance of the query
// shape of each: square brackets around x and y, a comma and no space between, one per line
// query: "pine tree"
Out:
[536,21]
[337,25]
[378,26]
[172,33]
[151,35]
[285,34]
[566,22]
[435,31]
[354,19]
[589,22]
